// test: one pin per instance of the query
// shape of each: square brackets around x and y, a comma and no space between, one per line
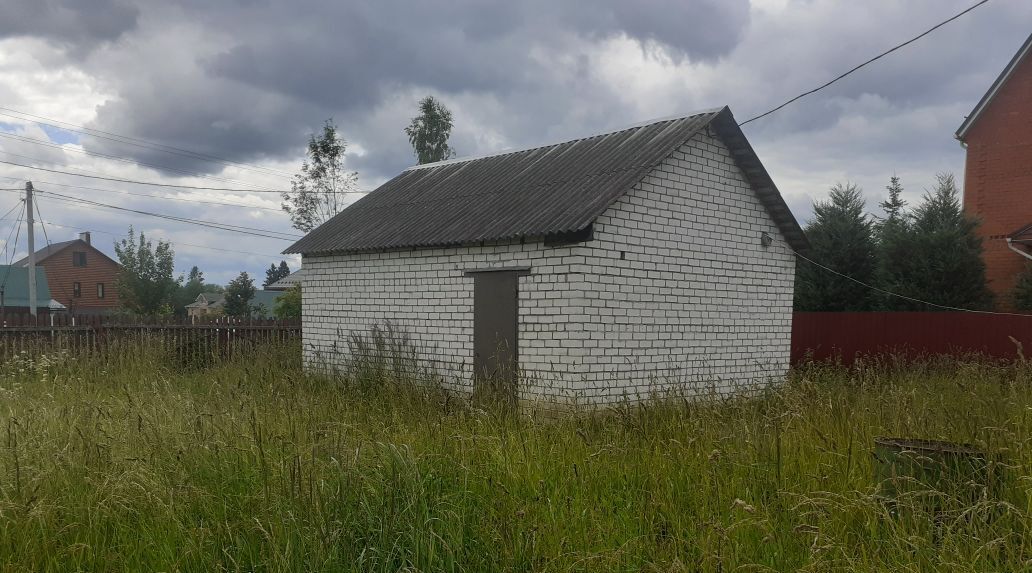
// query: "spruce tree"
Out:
[1023,290]
[891,252]
[841,239]
[939,257]
[274,273]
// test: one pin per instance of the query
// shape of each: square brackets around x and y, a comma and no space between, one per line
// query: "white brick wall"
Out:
[675,292]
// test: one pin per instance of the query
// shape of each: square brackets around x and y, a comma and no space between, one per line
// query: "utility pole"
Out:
[30,220]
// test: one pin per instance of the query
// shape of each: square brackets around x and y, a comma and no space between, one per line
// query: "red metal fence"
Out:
[846,335]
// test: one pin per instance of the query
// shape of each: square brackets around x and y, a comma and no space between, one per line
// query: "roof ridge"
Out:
[638,125]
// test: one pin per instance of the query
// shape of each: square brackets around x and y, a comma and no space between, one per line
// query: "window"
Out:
[77,290]
[78,258]
[100,290]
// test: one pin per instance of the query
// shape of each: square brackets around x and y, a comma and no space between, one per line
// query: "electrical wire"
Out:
[265,233]
[165,197]
[95,175]
[47,143]
[127,140]
[9,211]
[40,220]
[897,295]
[150,183]
[11,252]
[878,57]
[173,243]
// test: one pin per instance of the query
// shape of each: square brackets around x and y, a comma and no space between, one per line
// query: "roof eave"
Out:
[749,162]
[1005,75]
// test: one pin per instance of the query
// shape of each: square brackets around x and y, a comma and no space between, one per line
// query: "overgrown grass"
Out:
[129,464]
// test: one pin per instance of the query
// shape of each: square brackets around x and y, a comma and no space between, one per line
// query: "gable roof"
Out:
[989,95]
[538,192]
[288,281]
[14,280]
[55,248]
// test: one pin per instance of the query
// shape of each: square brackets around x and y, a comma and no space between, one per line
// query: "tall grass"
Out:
[134,463]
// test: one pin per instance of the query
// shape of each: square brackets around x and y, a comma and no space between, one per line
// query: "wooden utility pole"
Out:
[30,220]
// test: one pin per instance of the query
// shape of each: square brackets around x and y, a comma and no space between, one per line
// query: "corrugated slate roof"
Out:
[55,248]
[46,252]
[550,190]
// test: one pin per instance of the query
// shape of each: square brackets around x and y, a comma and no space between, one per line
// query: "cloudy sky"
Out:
[247,81]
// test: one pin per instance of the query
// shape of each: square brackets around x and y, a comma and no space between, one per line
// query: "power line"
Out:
[42,226]
[120,180]
[127,140]
[266,233]
[11,252]
[166,197]
[46,143]
[150,183]
[173,243]
[878,57]
[897,295]
[95,174]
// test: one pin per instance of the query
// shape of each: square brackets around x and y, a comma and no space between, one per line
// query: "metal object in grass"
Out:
[932,469]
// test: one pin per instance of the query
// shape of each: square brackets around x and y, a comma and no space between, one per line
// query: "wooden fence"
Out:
[197,341]
[847,335]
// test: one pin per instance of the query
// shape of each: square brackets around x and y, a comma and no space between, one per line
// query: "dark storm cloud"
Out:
[281,68]
[80,24]
[249,80]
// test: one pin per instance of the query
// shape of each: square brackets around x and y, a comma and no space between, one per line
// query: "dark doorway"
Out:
[495,327]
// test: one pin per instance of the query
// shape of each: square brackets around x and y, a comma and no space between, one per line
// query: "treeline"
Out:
[148,286]
[897,261]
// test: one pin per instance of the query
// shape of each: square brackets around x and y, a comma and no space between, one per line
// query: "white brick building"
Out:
[656,258]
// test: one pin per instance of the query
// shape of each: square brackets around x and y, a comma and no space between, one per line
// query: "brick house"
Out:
[998,173]
[81,277]
[655,258]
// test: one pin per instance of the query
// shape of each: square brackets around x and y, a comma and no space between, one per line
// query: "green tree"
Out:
[1023,289]
[238,296]
[841,239]
[320,190]
[937,256]
[892,246]
[429,131]
[288,305]
[146,285]
[274,273]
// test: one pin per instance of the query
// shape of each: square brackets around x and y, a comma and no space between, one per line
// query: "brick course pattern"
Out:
[675,293]
[998,178]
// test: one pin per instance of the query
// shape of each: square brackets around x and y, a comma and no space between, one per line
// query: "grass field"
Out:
[130,464]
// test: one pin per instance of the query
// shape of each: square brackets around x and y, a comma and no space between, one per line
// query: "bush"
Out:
[1023,290]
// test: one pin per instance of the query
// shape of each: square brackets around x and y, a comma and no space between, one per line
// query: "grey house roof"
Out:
[994,89]
[288,281]
[539,192]
[55,248]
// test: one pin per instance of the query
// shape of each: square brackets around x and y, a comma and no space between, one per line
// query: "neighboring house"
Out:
[14,291]
[212,304]
[655,258]
[998,173]
[206,304]
[82,278]
[288,281]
